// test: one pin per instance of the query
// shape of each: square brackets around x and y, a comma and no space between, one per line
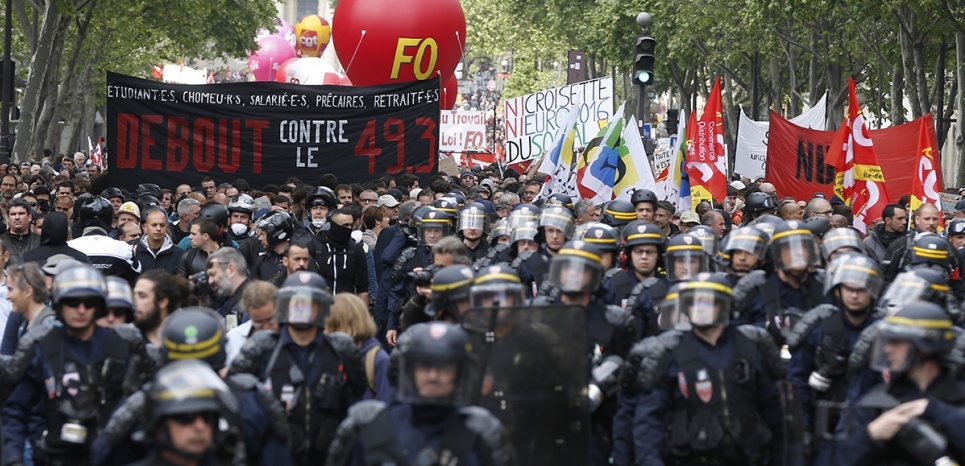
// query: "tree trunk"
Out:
[775,99]
[897,114]
[29,29]
[957,168]
[908,64]
[813,71]
[35,79]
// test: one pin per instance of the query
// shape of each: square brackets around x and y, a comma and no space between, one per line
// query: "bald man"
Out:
[768,188]
[790,211]
[818,207]
[839,221]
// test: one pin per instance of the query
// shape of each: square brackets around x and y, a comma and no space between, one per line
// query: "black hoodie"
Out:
[53,240]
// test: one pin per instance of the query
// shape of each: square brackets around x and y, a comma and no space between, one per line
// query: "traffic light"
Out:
[643,60]
[673,118]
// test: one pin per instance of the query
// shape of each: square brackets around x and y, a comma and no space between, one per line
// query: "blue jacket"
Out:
[384,391]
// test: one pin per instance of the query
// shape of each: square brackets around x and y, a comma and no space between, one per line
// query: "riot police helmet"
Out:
[278,227]
[120,298]
[194,333]
[708,239]
[793,247]
[435,366]
[496,286]
[641,232]
[434,226]
[707,299]
[184,390]
[559,199]
[841,239]
[500,232]
[748,239]
[303,300]
[618,213]
[524,232]
[919,331]
[913,286]
[78,285]
[767,223]
[670,316]
[685,257]
[447,205]
[458,196]
[473,217]
[523,213]
[600,235]
[856,277]
[557,217]
[450,289]
[577,268]
[931,251]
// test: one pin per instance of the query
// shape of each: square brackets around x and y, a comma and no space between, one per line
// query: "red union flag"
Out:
[927,182]
[860,181]
[706,158]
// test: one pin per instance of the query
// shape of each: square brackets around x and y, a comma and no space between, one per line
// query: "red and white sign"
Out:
[462,130]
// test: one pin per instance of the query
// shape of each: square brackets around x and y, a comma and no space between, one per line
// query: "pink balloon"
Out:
[282,29]
[272,52]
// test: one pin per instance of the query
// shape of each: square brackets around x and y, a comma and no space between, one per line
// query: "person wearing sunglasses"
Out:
[73,375]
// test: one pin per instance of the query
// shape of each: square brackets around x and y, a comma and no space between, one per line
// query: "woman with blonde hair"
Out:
[351,315]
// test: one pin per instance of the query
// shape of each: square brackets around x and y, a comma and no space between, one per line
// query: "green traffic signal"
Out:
[643,60]
[644,78]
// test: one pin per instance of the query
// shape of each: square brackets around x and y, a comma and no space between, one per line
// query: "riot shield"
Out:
[533,372]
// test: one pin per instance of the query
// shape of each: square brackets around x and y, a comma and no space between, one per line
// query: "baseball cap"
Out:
[129,208]
[58,263]
[738,185]
[688,218]
[414,193]
[386,200]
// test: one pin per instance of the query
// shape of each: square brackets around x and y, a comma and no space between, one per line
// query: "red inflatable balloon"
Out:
[387,41]
[447,95]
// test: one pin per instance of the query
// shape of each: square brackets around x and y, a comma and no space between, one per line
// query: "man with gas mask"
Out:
[916,417]
[341,259]
[821,343]
[776,301]
[703,395]
[315,376]
[240,211]
[74,376]
[320,204]
[431,422]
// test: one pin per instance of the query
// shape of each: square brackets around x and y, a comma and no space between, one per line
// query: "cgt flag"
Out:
[859,180]
[706,157]
[927,182]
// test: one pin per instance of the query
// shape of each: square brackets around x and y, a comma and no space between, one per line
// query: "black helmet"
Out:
[640,232]
[243,203]
[434,219]
[194,333]
[707,299]
[568,270]
[819,226]
[188,387]
[854,270]
[758,202]
[112,192]
[685,257]
[496,285]
[449,286]
[559,199]
[218,213]
[119,295]
[955,227]
[473,217]
[557,217]
[322,196]
[793,246]
[600,235]
[278,227]
[447,205]
[98,212]
[437,344]
[839,239]
[146,201]
[150,189]
[926,326]
[458,196]
[931,250]
[521,214]
[303,299]
[618,213]
[644,195]
[80,282]
[418,213]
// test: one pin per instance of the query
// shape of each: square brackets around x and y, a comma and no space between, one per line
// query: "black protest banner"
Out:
[266,132]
